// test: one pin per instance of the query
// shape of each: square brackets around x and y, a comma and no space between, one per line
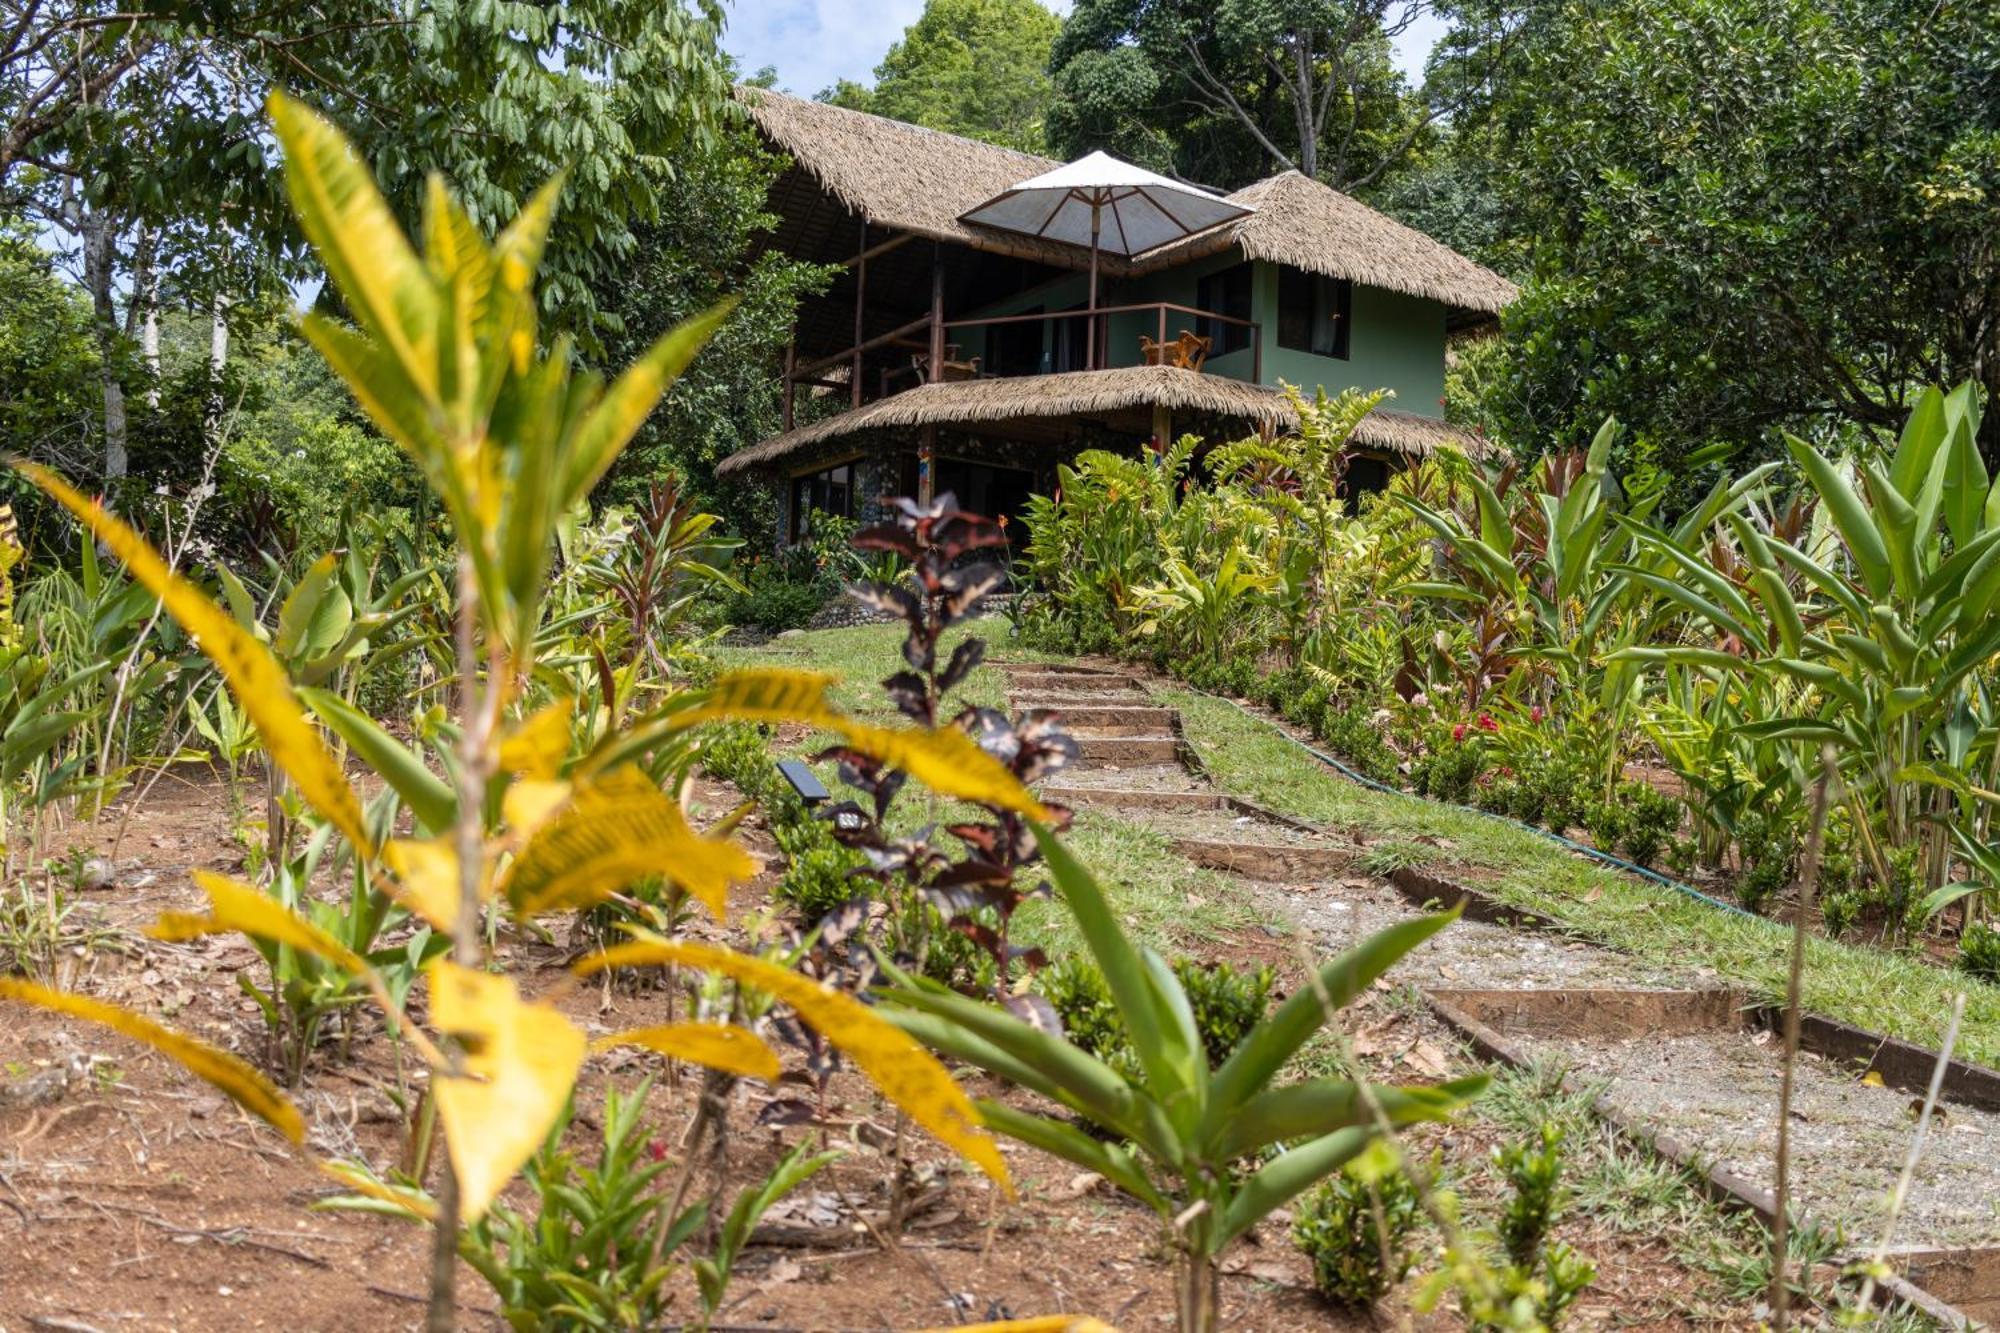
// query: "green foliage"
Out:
[1181,1134]
[977,68]
[47,358]
[1229,92]
[1533,1171]
[1979,951]
[1356,1227]
[596,1251]
[1226,1004]
[1722,199]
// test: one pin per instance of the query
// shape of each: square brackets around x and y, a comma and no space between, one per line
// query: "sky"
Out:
[814,43]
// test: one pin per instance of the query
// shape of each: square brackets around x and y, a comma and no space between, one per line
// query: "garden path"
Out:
[1671,1054]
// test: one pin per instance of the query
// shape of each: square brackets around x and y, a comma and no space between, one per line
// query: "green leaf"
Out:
[1268,1046]
[429,797]
[1865,544]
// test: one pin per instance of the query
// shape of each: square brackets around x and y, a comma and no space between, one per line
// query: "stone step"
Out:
[1121,798]
[1067,704]
[1277,862]
[1099,749]
[1106,717]
[1072,682]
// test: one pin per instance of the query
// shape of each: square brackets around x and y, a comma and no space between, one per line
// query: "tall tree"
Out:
[1746,214]
[973,67]
[1225,91]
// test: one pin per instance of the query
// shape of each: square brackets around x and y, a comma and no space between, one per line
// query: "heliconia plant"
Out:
[445,357]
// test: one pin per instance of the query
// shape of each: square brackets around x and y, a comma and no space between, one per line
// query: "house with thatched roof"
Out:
[953,355]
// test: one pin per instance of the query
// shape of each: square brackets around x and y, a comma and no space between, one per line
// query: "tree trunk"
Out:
[218,360]
[98,240]
[146,293]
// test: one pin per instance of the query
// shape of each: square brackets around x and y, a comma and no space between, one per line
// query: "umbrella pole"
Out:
[1090,321]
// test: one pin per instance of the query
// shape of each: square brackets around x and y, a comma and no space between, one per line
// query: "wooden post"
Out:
[1163,426]
[937,320]
[860,302]
[791,386]
[1163,334]
[1256,353]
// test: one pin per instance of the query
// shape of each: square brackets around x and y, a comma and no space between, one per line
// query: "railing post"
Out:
[791,386]
[860,306]
[1163,334]
[937,319]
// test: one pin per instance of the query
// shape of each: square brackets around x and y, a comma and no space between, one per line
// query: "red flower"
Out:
[656,1150]
[1486,722]
[1535,715]
[1458,732]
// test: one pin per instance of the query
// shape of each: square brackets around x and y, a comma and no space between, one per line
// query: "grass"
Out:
[1163,900]
[1249,756]
[1870,988]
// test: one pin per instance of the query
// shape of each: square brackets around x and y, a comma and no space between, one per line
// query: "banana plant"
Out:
[1202,607]
[1212,1151]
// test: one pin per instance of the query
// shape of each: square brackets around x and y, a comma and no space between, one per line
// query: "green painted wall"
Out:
[1397,342]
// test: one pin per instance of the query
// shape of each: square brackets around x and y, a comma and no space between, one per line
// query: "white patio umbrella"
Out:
[1106,204]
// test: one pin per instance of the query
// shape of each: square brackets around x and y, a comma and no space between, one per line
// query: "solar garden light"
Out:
[813,792]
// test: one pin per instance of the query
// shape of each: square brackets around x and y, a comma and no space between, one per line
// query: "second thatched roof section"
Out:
[908,178]
[1093,393]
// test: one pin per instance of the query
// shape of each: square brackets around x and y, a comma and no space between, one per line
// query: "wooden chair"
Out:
[1187,351]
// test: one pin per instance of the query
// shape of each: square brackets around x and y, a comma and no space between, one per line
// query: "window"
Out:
[1015,349]
[830,492]
[1226,293]
[1314,313]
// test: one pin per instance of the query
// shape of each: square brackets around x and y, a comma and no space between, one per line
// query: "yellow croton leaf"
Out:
[236,906]
[426,871]
[906,1073]
[530,802]
[723,1046]
[946,760]
[536,746]
[255,678]
[616,829]
[366,1183]
[521,1060]
[243,1084]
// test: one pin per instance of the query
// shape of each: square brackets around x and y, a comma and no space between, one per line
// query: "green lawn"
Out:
[1870,988]
[1171,903]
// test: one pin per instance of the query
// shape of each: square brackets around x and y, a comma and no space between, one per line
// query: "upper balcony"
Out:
[931,350]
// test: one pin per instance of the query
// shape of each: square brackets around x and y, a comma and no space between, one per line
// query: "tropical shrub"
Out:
[1355,1227]
[1186,1138]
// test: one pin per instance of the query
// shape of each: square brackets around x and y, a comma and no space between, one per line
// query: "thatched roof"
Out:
[900,176]
[1311,226]
[1093,393]
[908,178]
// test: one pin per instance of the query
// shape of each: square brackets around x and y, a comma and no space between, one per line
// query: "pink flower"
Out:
[1535,715]
[1458,732]
[1486,722]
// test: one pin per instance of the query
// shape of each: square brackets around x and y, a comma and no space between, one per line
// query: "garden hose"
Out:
[1595,854]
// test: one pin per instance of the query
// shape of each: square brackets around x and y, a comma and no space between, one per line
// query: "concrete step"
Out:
[1068,704]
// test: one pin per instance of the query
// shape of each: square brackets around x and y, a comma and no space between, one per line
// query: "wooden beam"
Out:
[791,378]
[847,353]
[880,248]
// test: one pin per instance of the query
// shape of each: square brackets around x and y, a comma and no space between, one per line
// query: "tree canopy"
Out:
[1743,214]
[1227,91]
[978,68]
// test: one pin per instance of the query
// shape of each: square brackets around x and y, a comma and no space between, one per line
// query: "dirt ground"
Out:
[133,1197]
